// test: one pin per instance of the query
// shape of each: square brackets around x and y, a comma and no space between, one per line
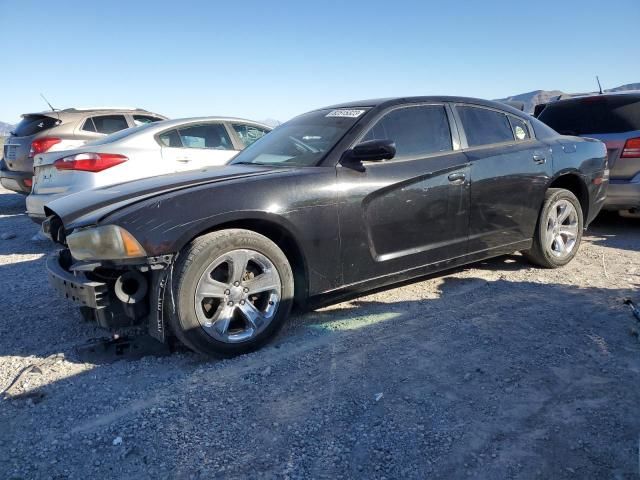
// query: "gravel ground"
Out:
[498,370]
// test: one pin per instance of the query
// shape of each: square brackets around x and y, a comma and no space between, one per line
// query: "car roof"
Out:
[391,101]
[92,110]
[576,98]
[182,121]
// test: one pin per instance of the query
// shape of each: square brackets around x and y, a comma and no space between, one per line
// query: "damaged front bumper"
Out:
[115,296]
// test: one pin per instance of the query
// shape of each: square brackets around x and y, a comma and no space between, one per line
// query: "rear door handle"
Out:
[539,159]
[183,160]
[456,177]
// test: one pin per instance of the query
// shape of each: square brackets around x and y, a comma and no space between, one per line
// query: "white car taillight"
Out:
[90,162]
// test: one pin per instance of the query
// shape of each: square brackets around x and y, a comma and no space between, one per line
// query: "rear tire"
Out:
[559,230]
[233,290]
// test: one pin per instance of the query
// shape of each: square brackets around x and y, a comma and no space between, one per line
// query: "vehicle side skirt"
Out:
[423,272]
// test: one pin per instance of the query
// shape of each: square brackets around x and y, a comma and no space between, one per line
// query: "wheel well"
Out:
[575,185]
[285,241]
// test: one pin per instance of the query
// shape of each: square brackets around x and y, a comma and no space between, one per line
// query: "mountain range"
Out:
[5,128]
[530,100]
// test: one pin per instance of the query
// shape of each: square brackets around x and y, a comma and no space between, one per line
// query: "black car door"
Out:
[411,210]
[509,173]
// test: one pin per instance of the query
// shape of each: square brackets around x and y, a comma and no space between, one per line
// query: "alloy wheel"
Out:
[562,229]
[237,296]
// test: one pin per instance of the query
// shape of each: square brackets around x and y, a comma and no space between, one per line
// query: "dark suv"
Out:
[614,119]
[60,130]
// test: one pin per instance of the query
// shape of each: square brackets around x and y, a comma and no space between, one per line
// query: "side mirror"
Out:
[371,150]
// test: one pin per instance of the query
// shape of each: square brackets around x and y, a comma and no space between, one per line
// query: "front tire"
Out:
[559,230]
[233,290]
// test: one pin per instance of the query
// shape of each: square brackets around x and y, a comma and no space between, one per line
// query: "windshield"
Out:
[593,115]
[303,141]
[114,137]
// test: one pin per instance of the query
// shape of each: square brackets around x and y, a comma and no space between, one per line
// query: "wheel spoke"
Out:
[553,216]
[565,211]
[560,245]
[264,282]
[223,319]
[569,231]
[252,314]
[209,288]
[239,260]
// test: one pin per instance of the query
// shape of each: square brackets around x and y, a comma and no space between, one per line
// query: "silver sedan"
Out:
[149,150]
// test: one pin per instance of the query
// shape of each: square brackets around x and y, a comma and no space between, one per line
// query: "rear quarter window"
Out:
[593,115]
[170,139]
[248,133]
[520,129]
[32,124]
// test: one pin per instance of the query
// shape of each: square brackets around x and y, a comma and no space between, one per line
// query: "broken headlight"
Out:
[104,243]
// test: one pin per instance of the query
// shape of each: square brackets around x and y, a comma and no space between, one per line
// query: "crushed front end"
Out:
[117,294]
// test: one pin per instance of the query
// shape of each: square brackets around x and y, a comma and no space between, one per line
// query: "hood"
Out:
[89,206]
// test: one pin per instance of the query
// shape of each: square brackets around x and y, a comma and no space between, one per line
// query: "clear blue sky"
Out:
[261,59]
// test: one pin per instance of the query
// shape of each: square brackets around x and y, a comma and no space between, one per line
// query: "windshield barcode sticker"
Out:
[345,113]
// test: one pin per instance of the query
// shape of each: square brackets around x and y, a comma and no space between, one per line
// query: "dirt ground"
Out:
[498,370]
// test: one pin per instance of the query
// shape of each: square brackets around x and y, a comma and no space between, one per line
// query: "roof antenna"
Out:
[599,86]
[50,106]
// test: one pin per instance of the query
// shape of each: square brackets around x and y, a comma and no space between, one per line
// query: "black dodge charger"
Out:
[330,204]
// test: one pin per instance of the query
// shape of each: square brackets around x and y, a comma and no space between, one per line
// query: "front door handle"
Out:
[539,159]
[183,160]
[456,177]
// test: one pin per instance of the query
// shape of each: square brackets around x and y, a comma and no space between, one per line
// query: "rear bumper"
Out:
[35,205]
[623,194]
[15,181]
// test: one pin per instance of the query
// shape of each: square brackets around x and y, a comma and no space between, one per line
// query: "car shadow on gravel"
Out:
[489,379]
[612,231]
[17,231]
[11,203]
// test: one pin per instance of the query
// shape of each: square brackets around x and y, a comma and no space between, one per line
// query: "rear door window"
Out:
[484,127]
[144,119]
[416,131]
[32,124]
[109,123]
[213,135]
[606,114]
[248,133]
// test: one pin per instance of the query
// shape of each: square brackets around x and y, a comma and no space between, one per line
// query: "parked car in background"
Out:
[332,203]
[60,130]
[613,118]
[153,149]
